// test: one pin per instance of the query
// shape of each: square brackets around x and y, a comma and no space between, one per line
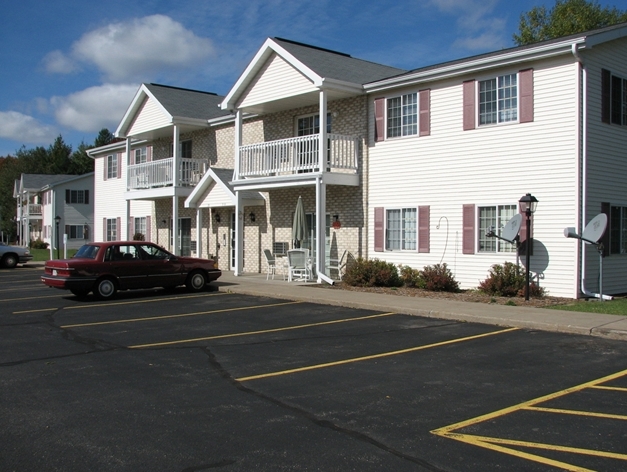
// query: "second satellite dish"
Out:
[592,232]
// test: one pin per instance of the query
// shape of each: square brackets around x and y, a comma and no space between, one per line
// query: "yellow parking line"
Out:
[27,298]
[576,412]
[183,315]
[371,357]
[263,331]
[130,302]
[605,387]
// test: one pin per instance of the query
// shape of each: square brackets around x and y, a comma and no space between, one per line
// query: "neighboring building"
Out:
[41,198]
[411,167]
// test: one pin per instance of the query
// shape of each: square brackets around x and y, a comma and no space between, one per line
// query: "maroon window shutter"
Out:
[379,119]
[67,195]
[522,235]
[104,229]
[118,228]
[131,160]
[423,229]
[148,228]
[379,214]
[606,78]
[106,163]
[131,226]
[148,153]
[425,112]
[119,171]
[468,234]
[605,239]
[86,197]
[67,230]
[469,105]
[526,95]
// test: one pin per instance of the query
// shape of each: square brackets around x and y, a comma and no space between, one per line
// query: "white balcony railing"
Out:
[160,173]
[34,209]
[298,155]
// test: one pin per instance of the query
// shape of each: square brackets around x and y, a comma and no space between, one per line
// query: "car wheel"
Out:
[80,293]
[9,261]
[105,288]
[196,281]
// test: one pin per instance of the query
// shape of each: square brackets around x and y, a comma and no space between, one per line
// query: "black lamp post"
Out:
[528,204]
[57,220]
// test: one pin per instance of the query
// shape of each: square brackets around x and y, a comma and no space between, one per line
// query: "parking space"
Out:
[157,380]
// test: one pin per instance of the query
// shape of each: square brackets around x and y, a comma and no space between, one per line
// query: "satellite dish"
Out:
[511,229]
[595,229]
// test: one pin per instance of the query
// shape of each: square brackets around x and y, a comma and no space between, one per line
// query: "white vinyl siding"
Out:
[453,168]
[275,81]
[151,116]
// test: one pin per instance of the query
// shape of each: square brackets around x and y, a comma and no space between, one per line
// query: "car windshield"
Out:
[87,252]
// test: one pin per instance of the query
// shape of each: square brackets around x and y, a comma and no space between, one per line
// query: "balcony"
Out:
[159,173]
[32,210]
[292,156]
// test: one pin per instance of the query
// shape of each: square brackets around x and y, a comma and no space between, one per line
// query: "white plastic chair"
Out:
[298,265]
[271,260]
[338,264]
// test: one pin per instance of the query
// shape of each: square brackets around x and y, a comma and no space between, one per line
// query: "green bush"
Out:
[372,273]
[411,277]
[508,280]
[38,244]
[439,278]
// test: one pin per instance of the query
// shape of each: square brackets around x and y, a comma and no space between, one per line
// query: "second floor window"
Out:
[498,100]
[140,155]
[402,115]
[112,167]
[185,147]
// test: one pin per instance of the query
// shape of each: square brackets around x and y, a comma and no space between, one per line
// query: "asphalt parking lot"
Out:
[174,381]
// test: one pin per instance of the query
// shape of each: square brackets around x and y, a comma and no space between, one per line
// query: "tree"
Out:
[104,137]
[566,17]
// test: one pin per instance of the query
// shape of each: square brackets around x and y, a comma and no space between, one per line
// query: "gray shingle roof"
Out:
[226,175]
[38,181]
[187,103]
[336,65]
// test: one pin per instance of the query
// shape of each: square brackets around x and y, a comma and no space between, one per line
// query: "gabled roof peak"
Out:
[182,89]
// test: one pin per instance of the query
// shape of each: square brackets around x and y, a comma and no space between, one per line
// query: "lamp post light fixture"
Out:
[528,204]
[57,220]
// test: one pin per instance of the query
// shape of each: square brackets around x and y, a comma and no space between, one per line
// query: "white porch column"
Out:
[322,145]
[239,235]
[198,232]
[128,163]
[238,141]
[176,156]
[321,226]
[176,240]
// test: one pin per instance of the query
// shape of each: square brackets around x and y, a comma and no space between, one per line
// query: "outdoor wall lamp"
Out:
[217,217]
[528,204]
[252,217]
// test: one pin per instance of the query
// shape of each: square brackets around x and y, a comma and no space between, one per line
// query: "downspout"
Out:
[582,133]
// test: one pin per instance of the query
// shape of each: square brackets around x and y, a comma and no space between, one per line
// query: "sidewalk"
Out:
[594,324]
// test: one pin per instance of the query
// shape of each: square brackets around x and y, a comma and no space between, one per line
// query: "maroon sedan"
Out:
[104,268]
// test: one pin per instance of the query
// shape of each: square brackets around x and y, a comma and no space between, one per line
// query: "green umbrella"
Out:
[299,227]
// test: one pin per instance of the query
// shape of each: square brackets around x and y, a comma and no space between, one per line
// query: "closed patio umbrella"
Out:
[299,227]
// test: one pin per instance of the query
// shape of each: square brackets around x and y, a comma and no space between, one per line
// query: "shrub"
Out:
[439,278]
[411,277]
[372,273]
[508,280]
[38,244]
[139,237]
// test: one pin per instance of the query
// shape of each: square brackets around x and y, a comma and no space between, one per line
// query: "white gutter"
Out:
[581,169]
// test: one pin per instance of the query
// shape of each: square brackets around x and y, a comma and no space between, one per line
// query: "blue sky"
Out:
[72,67]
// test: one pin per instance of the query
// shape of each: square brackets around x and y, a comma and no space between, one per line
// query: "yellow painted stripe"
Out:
[615,389]
[183,315]
[27,298]
[263,331]
[130,302]
[487,443]
[511,409]
[576,412]
[371,357]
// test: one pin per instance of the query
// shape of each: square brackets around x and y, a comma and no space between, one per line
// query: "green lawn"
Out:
[44,254]
[611,307]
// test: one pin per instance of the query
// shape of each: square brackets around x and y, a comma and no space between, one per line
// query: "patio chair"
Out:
[271,260]
[298,265]
[338,264]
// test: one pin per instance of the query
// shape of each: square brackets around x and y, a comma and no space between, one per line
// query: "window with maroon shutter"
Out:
[379,119]
[468,232]
[118,229]
[526,95]
[423,228]
[379,230]
[424,119]
[469,104]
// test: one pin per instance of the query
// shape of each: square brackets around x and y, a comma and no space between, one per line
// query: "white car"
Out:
[10,256]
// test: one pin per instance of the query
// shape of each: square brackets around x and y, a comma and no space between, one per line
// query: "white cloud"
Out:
[25,129]
[94,108]
[132,50]
[56,62]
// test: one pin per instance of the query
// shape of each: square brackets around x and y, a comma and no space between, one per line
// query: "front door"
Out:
[185,236]
[311,241]
[232,242]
